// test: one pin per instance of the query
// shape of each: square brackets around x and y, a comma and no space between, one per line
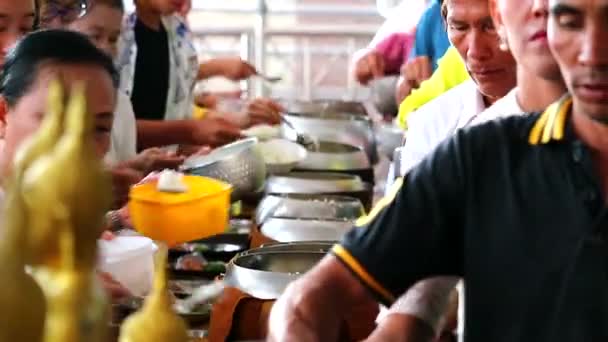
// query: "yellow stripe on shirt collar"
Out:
[551,125]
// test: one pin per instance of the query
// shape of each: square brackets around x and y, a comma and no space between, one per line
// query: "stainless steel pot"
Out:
[333,156]
[295,230]
[241,164]
[352,129]
[264,273]
[321,207]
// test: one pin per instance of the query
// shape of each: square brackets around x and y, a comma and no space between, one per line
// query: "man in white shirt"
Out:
[539,80]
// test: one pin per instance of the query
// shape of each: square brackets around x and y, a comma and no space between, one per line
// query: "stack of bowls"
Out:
[310,207]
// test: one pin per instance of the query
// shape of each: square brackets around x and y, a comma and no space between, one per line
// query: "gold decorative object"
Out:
[156,321]
[22,302]
[66,193]
[43,142]
[72,179]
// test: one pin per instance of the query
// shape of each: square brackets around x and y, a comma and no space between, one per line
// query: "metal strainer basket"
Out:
[240,164]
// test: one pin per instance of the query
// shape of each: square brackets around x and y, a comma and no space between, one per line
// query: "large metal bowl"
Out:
[240,164]
[295,230]
[305,246]
[314,183]
[333,156]
[326,106]
[264,273]
[352,129]
[383,95]
[321,207]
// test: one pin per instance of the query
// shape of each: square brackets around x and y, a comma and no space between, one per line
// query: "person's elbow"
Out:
[398,327]
[313,307]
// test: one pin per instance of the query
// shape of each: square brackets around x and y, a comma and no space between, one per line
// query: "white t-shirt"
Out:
[123,144]
[504,107]
[435,121]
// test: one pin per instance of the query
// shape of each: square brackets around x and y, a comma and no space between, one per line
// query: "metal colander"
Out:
[240,164]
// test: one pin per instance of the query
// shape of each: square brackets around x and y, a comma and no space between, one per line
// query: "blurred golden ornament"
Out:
[157,320]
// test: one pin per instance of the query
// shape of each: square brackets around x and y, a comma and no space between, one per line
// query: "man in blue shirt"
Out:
[430,45]
[431,37]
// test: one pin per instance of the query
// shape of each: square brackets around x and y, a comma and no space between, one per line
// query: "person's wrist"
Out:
[210,68]
[219,66]
[187,129]
[114,221]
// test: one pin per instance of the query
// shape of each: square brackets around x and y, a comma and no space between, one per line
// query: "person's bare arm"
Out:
[420,314]
[233,68]
[207,132]
[301,313]
[154,133]
[398,327]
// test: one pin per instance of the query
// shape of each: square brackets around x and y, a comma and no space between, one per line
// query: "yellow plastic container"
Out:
[176,218]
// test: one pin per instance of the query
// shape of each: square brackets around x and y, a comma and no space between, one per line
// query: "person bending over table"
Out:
[520,217]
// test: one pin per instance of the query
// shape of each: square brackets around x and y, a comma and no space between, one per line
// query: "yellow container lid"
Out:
[198,188]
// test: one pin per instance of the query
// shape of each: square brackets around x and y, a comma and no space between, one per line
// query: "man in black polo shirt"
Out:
[516,207]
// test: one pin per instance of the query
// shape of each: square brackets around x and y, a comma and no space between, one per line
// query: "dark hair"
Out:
[444,10]
[56,46]
[36,14]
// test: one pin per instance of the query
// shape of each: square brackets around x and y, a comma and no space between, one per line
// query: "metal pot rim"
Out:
[220,154]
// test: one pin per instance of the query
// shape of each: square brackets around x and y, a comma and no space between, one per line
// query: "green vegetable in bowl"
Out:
[201,248]
[216,267]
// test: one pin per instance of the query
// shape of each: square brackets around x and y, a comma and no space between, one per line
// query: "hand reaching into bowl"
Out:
[154,159]
[189,151]
[263,111]
[214,132]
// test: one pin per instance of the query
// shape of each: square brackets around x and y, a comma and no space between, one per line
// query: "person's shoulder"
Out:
[443,112]
[450,98]
[505,130]
[432,9]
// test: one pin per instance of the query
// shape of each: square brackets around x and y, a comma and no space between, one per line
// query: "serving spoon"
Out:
[269,79]
[303,139]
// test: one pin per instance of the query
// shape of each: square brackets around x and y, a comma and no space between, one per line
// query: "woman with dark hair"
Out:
[16,19]
[35,61]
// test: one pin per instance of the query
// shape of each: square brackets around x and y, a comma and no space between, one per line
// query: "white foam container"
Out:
[130,261]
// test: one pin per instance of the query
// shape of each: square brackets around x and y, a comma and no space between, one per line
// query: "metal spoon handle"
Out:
[202,294]
[269,78]
[288,123]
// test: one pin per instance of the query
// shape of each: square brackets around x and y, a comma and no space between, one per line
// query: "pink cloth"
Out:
[395,49]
